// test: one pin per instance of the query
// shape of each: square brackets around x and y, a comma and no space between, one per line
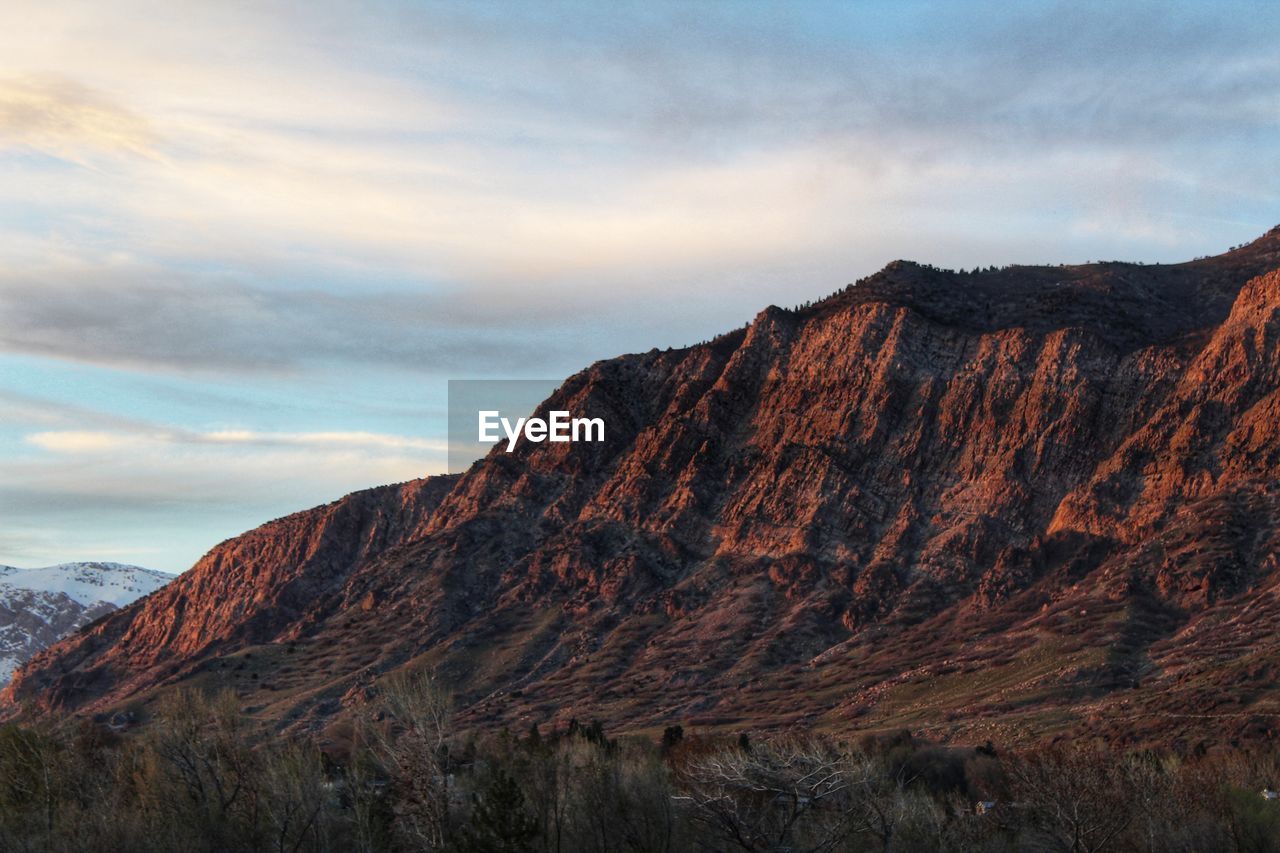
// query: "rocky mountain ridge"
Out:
[1007,504]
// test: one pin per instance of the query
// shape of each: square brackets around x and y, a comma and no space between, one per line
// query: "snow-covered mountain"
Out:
[37,606]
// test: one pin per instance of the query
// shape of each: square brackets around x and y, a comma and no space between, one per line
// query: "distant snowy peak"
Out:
[88,583]
[40,606]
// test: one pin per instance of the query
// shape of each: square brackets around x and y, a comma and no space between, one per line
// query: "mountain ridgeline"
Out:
[1000,505]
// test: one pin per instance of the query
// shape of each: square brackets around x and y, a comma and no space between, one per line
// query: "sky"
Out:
[244,246]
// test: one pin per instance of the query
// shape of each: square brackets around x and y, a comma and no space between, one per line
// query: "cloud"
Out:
[145,318]
[708,82]
[452,187]
[29,409]
[77,441]
[95,441]
[149,480]
[169,492]
[544,145]
[98,462]
[67,119]
[32,551]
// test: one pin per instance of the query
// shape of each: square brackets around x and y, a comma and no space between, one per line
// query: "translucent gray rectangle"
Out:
[511,398]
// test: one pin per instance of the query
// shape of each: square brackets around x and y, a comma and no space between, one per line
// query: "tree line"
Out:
[198,777]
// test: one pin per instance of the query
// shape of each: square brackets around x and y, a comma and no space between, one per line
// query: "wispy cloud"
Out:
[137,490]
[65,118]
[78,441]
[96,441]
[143,317]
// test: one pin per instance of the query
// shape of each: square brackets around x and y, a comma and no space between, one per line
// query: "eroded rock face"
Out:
[1003,504]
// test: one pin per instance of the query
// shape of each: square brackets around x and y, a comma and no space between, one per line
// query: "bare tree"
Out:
[295,797]
[885,805]
[202,749]
[789,795]
[30,763]
[1079,800]
[414,744]
[615,799]
[550,779]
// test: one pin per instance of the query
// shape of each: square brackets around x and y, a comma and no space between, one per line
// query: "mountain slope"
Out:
[1005,504]
[39,606]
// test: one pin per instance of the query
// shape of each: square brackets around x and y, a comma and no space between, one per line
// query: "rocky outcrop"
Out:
[1019,501]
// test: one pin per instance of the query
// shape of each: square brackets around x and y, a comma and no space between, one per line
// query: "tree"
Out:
[671,736]
[199,748]
[780,795]
[295,798]
[1080,800]
[28,780]
[499,822]
[888,803]
[415,748]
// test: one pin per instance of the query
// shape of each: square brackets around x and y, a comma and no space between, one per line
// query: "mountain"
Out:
[38,606]
[1011,504]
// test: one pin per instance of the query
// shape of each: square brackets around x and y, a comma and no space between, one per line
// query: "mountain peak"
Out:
[1129,305]
[992,504]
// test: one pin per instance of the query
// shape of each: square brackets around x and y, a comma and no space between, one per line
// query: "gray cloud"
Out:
[29,409]
[708,79]
[151,320]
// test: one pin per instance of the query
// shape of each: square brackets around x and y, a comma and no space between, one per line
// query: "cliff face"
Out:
[995,505]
